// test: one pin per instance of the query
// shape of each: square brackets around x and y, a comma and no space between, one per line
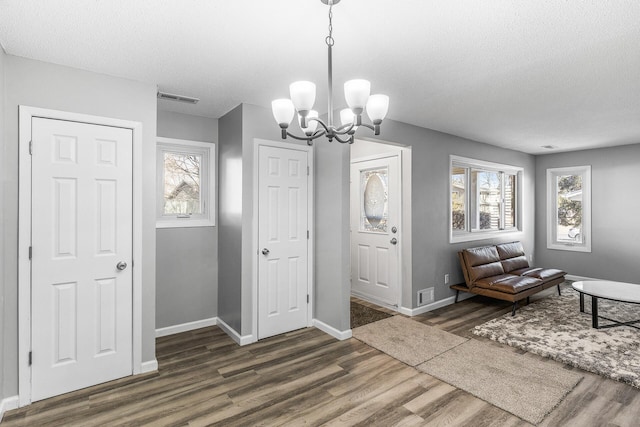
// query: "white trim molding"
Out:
[584,243]
[579,278]
[239,339]
[185,327]
[257,142]
[208,173]
[327,329]
[429,307]
[149,366]
[25,116]
[7,404]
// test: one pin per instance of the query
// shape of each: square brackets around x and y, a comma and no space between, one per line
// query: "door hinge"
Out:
[30,252]
[307,298]
[30,358]
[307,170]
[307,234]
[31,147]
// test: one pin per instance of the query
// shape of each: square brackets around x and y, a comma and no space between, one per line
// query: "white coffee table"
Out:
[615,291]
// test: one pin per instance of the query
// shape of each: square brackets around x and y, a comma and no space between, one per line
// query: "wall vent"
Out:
[179,98]
[425,296]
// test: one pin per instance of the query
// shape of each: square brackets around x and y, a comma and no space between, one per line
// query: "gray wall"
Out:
[615,201]
[44,85]
[3,179]
[332,237]
[230,218]
[433,256]
[186,258]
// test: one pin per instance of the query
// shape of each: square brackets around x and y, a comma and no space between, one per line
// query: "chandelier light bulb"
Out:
[283,111]
[303,95]
[311,124]
[356,93]
[377,107]
[347,117]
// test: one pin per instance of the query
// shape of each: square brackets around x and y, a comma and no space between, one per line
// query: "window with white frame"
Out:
[484,199]
[569,208]
[186,185]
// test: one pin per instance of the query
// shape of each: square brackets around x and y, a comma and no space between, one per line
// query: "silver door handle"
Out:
[394,241]
[265,251]
[121,265]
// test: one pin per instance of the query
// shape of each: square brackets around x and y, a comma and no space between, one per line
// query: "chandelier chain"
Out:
[329,40]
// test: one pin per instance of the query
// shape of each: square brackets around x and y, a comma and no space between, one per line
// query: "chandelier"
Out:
[356,93]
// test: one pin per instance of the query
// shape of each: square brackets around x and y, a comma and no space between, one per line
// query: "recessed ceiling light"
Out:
[549,147]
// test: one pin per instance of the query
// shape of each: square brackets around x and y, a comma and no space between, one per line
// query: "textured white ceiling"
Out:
[517,74]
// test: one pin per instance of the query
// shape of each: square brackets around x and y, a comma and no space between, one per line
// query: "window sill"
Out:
[569,247]
[471,237]
[185,223]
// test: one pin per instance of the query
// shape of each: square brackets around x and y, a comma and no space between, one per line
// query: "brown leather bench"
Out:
[502,272]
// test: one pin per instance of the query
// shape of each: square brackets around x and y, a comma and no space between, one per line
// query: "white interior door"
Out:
[375,229]
[81,284]
[282,239]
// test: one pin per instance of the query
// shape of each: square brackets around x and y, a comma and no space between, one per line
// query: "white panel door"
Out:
[81,230]
[375,224]
[282,239]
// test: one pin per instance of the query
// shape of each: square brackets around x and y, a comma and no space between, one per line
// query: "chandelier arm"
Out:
[344,141]
[327,128]
[368,126]
[316,135]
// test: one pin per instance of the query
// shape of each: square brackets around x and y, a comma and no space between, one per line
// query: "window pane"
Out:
[182,184]
[458,195]
[488,199]
[569,210]
[374,209]
[509,201]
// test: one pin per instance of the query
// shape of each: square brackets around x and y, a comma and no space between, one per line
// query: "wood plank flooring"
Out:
[308,378]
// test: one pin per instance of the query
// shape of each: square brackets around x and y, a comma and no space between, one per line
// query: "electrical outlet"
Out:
[446,279]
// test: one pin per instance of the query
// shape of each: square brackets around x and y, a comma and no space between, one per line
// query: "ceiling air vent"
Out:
[179,98]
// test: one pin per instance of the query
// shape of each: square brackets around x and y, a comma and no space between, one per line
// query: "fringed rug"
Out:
[554,327]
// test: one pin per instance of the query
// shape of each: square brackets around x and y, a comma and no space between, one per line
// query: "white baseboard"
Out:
[239,339]
[7,404]
[579,278]
[341,335]
[149,366]
[430,307]
[184,327]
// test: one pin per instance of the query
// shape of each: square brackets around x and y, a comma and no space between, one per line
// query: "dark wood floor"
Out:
[309,378]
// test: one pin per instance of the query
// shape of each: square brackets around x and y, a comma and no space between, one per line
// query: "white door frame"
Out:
[310,222]
[405,257]
[26,114]
[397,302]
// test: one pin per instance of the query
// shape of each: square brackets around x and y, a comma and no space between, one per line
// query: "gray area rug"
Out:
[518,383]
[409,341]
[555,328]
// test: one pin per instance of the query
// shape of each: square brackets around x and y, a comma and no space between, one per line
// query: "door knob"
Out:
[394,241]
[121,265]
[265,251]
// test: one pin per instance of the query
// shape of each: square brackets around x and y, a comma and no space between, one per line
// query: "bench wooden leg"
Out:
[513,308]
[457,293]
[559,294]
[527,300]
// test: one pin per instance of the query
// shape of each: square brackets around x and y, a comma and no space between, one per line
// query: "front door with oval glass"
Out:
[375,226]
